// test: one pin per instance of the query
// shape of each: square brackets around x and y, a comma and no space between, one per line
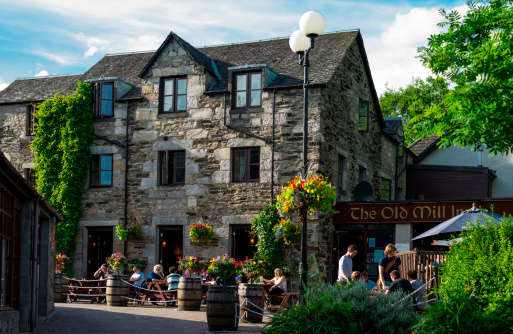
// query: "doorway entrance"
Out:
[243,244]
[100,242]
[170,246]
[370,240]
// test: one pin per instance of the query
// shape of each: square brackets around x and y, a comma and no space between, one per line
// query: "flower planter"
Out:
[254,293]
[189,294]
[221,311]
[61,288]
[116,290]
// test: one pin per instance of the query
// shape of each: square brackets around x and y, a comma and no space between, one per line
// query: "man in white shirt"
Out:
[137,278]
[345,264]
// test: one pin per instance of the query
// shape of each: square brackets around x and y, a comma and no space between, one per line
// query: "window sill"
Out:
[173,115]
[101,120]
[99,188]
[246,110]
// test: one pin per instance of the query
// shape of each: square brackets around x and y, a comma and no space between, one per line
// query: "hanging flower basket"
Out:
[201,232]
[132,262]
[122,232]
[314,194]
[134,230]
[288,232]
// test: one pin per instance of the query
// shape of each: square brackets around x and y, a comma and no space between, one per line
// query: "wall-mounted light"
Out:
[94,244]
[252,241]
[163,243]
[104,242]
[334,249]
[435,241]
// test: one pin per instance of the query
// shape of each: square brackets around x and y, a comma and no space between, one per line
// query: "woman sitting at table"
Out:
[279,283]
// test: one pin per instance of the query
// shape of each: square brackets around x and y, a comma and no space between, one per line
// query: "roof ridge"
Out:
[269,39]
[50,76]
[128,53]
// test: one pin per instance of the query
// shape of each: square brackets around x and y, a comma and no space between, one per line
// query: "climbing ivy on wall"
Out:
[64,132]
[268,248]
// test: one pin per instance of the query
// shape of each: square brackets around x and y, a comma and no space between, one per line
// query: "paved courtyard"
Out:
[82,317]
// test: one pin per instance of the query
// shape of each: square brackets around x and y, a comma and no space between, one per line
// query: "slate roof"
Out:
[327,54]
[392,125]
[38,88]
[421,147]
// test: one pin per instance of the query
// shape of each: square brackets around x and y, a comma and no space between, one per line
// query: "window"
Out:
[361,173]
[247,90]
[104,100]
[363,116]
[400,149]
[30,176]
[341,181]
[31,120]
[172,167]
[101,171]
[246,165]
[385,189]
[173,95]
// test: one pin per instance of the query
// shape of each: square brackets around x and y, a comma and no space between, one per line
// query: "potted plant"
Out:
[61,279]
[254,293]
[250,268]
[189,288]
[117,262]
[201,232]
[132,262]
[288,232]
[122,232]
[221,300]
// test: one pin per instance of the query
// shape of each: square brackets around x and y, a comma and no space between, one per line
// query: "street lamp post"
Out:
[301,42]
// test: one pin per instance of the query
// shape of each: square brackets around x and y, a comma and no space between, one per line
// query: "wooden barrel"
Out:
[253,293]
[116,290]
[61,288]
[189,294]
[221,311]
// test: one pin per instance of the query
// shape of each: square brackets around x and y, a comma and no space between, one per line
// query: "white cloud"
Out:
[3,85]
[61,59]
[392,55]
[93,44]
[42,73]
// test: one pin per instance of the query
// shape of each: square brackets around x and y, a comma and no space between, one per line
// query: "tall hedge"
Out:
[64,132]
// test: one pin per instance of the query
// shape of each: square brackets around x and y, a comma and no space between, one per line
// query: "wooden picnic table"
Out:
[78,287]
[159,290]
[285,298]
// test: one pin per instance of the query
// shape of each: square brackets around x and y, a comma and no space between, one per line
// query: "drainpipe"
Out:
[396,195]
[272,148]
[126,176]
[35,260]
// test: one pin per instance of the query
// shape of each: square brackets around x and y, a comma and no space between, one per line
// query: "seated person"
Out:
[399,284]
[137,279]
[355,276]
[173,278]
[228,281]
[104,271]
[204,277]
[157,275]
[420,295]
[364,277]
[279,283]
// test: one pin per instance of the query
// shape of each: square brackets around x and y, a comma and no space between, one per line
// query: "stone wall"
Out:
[9,322]
[14,141]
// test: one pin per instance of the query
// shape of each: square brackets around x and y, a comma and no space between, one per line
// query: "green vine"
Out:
[269,248]
[64,132]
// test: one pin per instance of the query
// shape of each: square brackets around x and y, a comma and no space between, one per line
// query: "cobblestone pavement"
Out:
[82,317]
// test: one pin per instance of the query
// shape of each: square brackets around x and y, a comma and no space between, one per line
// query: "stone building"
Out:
[213,133]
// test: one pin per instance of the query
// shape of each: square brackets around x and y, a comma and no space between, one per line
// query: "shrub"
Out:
[320,312]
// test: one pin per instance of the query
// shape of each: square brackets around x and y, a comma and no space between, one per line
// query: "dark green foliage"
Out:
[320,312]
[473,54]
[64,132]
[479,271]
[268,247]
[412,101]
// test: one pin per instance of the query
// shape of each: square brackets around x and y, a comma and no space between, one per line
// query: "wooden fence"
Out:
[425,263]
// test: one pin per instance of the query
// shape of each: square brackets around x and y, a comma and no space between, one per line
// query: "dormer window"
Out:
[247,90]
[173,95]
[104,100]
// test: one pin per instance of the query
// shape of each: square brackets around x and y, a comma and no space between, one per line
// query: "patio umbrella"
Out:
[455,224]
[447,243]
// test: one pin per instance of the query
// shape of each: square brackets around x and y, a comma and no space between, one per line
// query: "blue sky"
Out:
[53,37]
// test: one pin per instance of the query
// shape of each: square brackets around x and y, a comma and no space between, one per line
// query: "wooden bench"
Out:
[285,298]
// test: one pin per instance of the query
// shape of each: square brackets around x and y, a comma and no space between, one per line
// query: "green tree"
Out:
[474,55]
[61,148]
[412,101]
